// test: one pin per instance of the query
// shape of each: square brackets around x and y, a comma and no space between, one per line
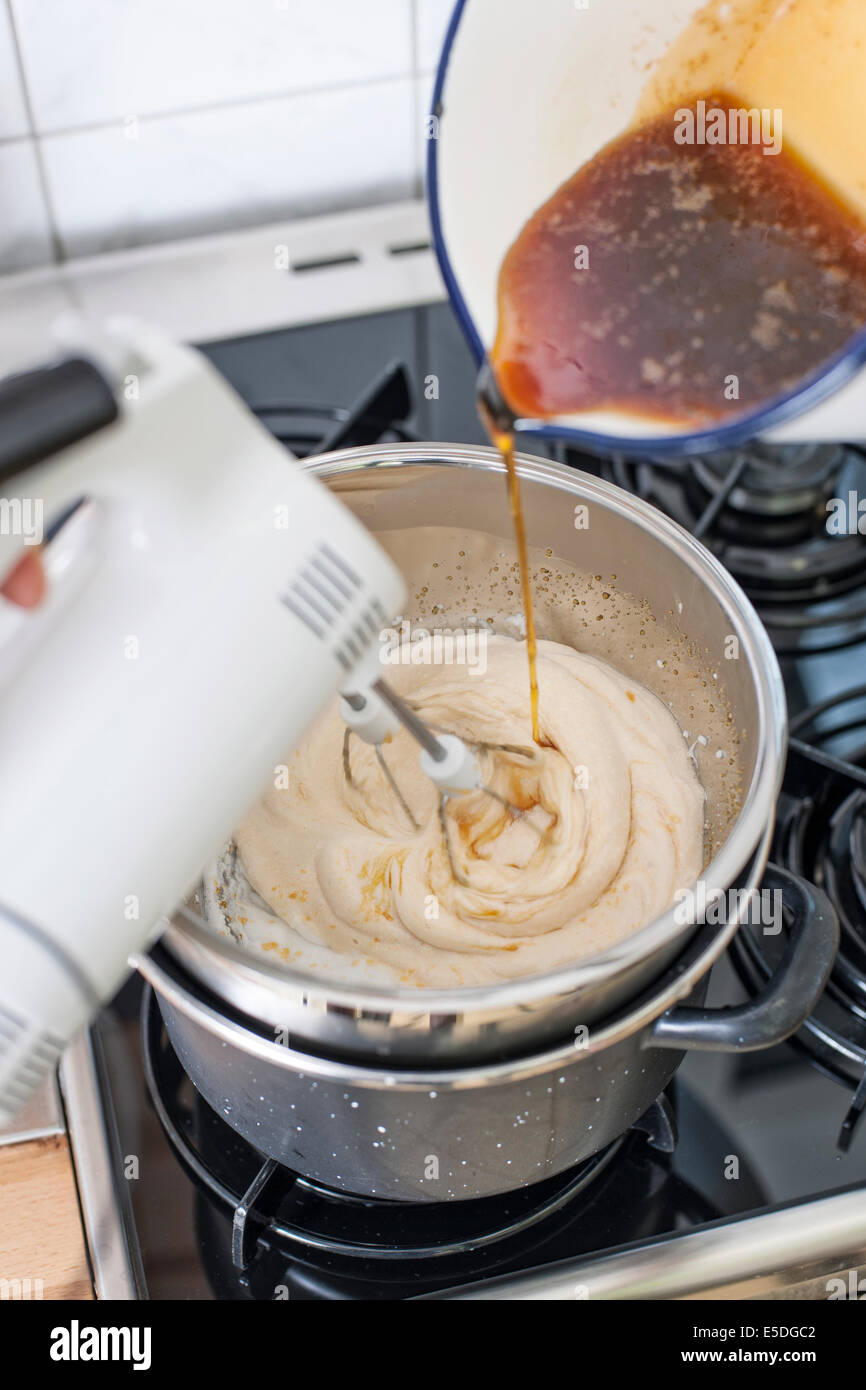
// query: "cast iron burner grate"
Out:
[763,511]
[264,1228]
[821,835]
[378,416]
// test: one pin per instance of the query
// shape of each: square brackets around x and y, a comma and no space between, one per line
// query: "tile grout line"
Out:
[172,113]
[58,249]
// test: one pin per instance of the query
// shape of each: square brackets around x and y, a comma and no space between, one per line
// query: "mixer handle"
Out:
[44,410]
[789,996]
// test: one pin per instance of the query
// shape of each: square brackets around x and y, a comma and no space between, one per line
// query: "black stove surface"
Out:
[789,1116]
[765,513]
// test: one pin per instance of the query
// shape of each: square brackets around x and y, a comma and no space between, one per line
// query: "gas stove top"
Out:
[782,520]
[748,1177]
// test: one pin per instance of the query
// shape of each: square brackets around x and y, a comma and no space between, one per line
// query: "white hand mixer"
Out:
[202,608]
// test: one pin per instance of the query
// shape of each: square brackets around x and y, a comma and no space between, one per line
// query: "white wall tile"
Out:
[13,112]
[29,307]
[25,238]
[431,21]
[232,166]
[92,61]
[423,98]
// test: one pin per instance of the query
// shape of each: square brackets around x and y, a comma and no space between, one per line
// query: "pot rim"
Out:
[747,831]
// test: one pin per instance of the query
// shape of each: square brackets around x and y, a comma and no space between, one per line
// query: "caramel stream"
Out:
[504,442]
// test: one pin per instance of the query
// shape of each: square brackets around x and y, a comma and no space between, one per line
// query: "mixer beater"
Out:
[374,712]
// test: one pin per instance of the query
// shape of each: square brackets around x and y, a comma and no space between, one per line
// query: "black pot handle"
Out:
[789,995]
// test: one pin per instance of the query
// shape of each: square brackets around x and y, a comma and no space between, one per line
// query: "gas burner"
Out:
[268,1233]
[377,416]
[784,490]
[764,511]
[821,835]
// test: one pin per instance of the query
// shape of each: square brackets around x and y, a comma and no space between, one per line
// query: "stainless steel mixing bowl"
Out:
[435,1134]
[410,486]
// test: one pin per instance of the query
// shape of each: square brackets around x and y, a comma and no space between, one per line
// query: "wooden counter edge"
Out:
[42,1247]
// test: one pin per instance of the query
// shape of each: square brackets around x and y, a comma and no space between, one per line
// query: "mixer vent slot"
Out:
[325,596]
[366,627]
[27,1055]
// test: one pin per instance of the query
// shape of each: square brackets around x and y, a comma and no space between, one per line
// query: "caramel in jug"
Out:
[680,281]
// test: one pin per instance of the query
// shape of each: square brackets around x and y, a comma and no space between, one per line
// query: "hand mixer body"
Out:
[228,595]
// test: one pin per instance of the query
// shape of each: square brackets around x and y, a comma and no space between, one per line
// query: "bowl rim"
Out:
[193,942]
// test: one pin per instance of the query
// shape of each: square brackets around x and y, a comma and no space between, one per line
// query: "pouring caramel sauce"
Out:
[682,282]
[504,442]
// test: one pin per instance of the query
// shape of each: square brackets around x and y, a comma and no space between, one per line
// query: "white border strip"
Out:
[236,283]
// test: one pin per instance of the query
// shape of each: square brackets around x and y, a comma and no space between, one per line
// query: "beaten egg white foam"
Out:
[612,827]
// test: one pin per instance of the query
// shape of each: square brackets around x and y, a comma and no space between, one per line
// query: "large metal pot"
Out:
[437,1135]
[690,599]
